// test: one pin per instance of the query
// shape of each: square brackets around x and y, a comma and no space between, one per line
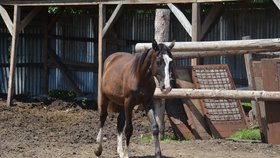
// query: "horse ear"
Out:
[155,45]
[172,44]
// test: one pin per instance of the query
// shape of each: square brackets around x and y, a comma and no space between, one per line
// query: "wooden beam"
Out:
[201,54]
[277,3]
[114,17]
[211,17]
[6,19]
[219,94]
[101,22]
[13,60]
[181,17]
[56,60]
[212,48]
[29,17]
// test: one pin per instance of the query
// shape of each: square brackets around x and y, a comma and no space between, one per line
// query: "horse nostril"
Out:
[163,87]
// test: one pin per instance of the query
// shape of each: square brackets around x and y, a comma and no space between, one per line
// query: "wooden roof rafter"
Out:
[96,2]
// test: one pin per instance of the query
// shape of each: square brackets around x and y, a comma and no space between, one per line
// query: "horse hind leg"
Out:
[120,127]
[103,116]
[128,128]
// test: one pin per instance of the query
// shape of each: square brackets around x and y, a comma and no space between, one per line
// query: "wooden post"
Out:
[15,35]
[248,60]
[196,26]
[162,23]
[101,22]
[45,83]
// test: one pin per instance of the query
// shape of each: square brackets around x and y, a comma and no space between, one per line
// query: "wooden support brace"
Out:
[29,17]
[6,19]
[56,60]
[277,3]
[211,17]
[181,17]
[114,17]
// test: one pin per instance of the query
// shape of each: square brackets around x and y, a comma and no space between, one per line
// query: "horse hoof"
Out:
[158,155]
[98,152]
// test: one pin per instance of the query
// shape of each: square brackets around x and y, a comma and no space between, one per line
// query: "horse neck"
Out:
[144,62]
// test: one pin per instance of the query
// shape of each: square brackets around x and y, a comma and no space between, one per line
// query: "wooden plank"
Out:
[29,17]
[209,20]
[13,60]
[181,17]
[86,2]
[212,48]
[114,17]
[6,19]
[277,3]
[219,94]
[192,107]
[101,22]
[196,27]
[56,60]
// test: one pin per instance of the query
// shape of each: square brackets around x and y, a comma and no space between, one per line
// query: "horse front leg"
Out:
[154,127]
[120,127]
[159,106]
[128,129]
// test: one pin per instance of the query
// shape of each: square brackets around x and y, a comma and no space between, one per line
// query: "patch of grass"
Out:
[169,137]
[248,134]
[247,104]
[145,138]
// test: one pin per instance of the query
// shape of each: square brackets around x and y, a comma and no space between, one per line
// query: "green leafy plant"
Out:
[248,134]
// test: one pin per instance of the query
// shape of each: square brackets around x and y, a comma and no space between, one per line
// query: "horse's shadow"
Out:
[149,156]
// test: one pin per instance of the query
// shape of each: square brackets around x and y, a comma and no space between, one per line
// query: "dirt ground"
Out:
[65,130]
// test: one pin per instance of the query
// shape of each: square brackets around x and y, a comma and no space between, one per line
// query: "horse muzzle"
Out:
[167,90]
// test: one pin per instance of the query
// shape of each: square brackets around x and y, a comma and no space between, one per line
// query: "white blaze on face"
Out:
[167,60]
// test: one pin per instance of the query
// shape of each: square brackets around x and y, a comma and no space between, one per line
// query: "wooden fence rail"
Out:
[218,48]
[219,94]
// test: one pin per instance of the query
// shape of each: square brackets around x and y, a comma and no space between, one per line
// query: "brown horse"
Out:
[128,80]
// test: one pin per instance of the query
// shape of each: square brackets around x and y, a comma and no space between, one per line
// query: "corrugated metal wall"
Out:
[74,40]
[80,48]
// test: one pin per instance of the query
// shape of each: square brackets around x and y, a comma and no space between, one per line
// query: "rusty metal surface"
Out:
[224,116]
[270,118]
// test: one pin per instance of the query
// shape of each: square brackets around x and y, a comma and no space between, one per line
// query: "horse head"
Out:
[162,65]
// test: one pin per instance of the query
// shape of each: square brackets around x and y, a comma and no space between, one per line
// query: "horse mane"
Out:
[139,60]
